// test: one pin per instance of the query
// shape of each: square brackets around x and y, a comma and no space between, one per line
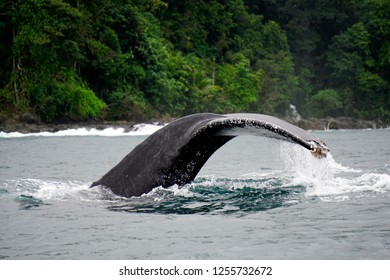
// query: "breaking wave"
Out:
[137,130]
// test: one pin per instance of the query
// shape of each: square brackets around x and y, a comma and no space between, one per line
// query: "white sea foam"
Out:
[58,190]
[47,190]
[138,130]
[325,177]
[160,193]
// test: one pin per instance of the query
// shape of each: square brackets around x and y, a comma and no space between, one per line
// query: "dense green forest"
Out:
[136,60]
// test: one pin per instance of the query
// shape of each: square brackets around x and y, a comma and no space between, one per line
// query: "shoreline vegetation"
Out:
[76,62]
[31,125]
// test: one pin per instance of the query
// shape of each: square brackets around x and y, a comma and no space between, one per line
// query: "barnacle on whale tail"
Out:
[319,149]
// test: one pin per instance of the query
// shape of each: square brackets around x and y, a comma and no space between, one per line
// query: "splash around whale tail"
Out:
[175,153]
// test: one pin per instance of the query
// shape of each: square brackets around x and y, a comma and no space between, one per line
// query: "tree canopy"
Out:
[141,59]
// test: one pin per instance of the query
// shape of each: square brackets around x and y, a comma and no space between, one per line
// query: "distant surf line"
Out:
[138,130]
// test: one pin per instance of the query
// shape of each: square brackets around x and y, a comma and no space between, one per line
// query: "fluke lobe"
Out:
[175,153]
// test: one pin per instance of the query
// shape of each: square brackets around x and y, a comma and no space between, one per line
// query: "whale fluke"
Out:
[175,153]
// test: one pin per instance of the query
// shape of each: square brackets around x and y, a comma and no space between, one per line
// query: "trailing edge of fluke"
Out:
[175,153]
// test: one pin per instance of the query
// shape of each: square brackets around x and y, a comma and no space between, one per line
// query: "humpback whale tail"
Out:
[175,153]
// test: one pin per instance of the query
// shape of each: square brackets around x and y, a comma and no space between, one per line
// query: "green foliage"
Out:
[355,69]
[334,44]
[371,98]
[326,102]
[5,99]
[240,87]
[145,59]
[72,99]
[129,104]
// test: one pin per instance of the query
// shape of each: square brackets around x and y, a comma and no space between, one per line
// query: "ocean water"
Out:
[255,198]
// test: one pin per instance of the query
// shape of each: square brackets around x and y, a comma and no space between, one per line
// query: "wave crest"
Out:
[138,130]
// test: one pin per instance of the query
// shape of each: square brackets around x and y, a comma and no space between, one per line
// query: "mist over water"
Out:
[272,199]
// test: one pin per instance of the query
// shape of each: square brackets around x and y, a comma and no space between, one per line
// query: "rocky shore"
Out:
[330,123]
[32,127]
[28,124]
